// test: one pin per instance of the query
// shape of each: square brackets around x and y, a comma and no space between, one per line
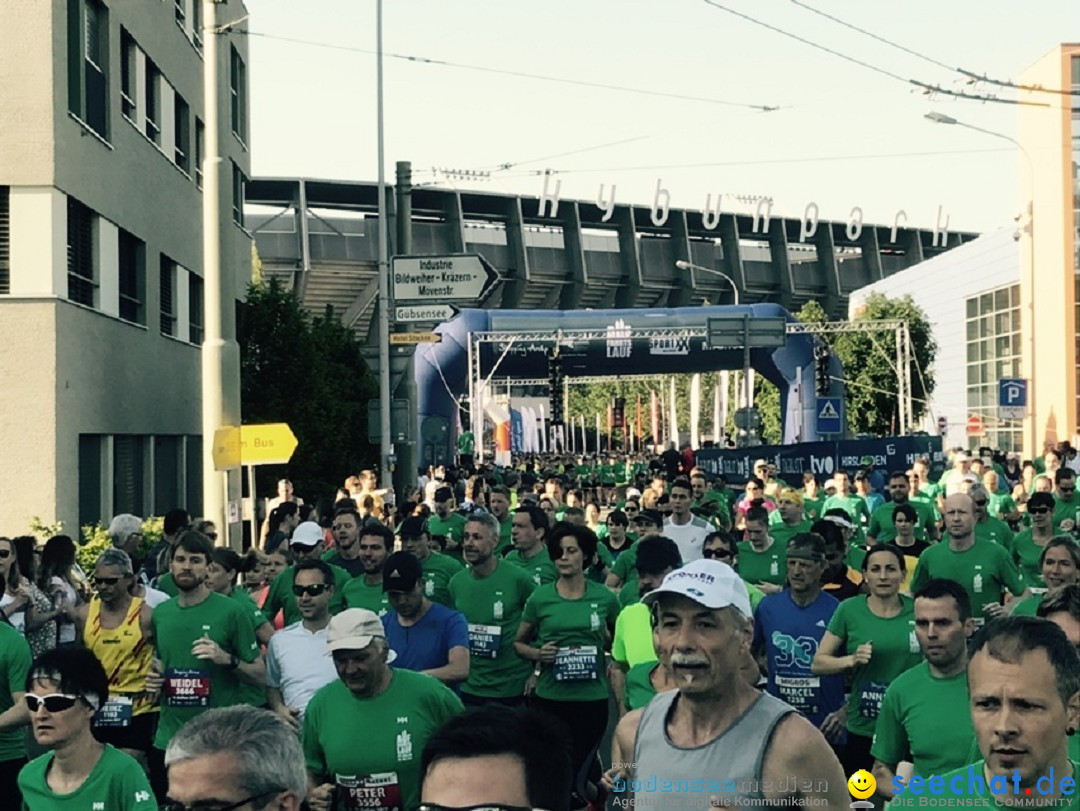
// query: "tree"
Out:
[310,373]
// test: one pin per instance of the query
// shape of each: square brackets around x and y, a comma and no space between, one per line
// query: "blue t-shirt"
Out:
[426,645]
[791,634]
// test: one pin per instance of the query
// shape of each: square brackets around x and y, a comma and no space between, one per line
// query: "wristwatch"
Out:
[538,670]
[234,662]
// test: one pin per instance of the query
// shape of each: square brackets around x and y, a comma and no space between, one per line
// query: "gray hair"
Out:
[486,519]
[118,558]
[978,489]
[265,747]
[122,526]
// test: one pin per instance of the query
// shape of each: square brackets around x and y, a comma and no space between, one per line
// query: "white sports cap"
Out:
[712,583]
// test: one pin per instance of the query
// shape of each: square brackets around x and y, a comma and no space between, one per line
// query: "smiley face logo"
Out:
[861,784]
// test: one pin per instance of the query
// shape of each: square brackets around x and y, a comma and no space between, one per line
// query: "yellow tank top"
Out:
[123,651]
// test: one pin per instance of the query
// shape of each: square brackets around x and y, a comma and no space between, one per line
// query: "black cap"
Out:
[649,516]
[412,527]
[401,572]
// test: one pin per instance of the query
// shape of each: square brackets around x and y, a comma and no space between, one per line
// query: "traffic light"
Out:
[555,389]
[822,378]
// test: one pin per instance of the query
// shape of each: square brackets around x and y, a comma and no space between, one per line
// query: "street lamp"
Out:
[941,118]
[682,264]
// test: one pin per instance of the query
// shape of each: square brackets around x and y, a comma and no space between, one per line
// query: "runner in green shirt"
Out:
[1066,502]
[15,662]
[788,519]
[881,529]
[307,542]
[499,502]
[395,711]
[988,528]
[447,523]
[529,525]
[873,636]
[925,717]
[762,561]
[849,502]
[813,498]
[438,568]
[206,648]
[1028,545]
[65,688]
[465,447]
[985,569]
[376,543]
[491,594]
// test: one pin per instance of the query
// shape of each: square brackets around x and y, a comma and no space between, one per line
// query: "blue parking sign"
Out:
[1012,398]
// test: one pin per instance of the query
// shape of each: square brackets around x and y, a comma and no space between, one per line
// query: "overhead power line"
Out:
[521,74]
[868,66]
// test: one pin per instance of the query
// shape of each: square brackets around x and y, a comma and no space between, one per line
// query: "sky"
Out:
[845,134]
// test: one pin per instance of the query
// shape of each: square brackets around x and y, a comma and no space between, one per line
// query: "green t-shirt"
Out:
[625,565]
[968,793]
[633,640]
[1066,510]
[282,599]
[854,505]
[193,685]
[15,661]
[506,537]
[1028,607]
[925,720]
[985,571]
[1026,553]
[539,567]
[896,649]
[465,442]
[167,584]
[117,781]
[994,530]
[769,566]
[781,533]
[1001,504]
[438,569]
[639,689]
[812,507]
[492,607]
[395,726]
[255,696]
[579,627]
[453,527]
[358,594]
[881,522]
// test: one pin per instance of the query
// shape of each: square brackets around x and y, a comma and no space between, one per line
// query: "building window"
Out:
[168,296]
[195,308]
[129,53]
[239,186]
[5,241]
[88,63]
[128,473]
[196,24]
[182,117]
[181,12]
[238,91]
[153,103]
[132,278]
[82,287]
[200,135]
[993,353]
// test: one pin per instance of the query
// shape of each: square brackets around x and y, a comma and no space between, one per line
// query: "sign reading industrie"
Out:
[438,279]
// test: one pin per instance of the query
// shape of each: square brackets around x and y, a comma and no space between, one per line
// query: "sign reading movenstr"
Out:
[460,277]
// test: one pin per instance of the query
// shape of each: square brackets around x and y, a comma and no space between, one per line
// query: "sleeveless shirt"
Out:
[728,767]
[123,651]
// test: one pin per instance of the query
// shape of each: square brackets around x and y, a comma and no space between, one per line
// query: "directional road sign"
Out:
[227,448]
[1012,398]
[268,444]
[425,312]
[438,279]
[412,338]
[830,412]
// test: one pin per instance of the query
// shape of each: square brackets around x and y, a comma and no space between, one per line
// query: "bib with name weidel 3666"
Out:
[187,687]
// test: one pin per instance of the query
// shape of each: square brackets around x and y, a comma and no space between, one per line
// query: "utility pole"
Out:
[385,447]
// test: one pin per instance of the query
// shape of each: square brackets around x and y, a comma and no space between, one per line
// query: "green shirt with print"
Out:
[1067,511]
[994,530]
[117,781]
[438,570]
[925,720]
[395,726]
[359,594]
[580,629]
[250,694]
[881,522]
[769,566]
[281,597]
[539,567]
[985,570]
[896,649]
[854,505]
[1001,504]
[492,607]
[465,443]
[1026,553]
[451,527]
[812,507]
[15,661]
[194,685]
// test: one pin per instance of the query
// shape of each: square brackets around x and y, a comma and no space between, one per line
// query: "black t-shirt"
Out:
[671,459]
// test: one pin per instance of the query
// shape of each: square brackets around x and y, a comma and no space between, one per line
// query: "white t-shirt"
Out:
[67,629]
[154,598]
[18,619]
[689,537]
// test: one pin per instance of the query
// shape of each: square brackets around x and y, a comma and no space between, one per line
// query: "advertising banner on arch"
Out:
[824,458]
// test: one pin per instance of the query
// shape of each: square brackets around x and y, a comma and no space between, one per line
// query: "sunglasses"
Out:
[716,553]
[215,805]
[105,581]
[1038,510]
[5,553]
[980,503]
[314,590]
[54,702]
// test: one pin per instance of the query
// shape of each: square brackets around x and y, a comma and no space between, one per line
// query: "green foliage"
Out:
[95,540]
[310,373]
[43,531]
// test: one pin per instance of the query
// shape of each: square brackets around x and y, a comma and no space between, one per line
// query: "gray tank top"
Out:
[728,767]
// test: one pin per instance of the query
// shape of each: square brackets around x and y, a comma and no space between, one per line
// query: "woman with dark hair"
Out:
[281,522]
[57,578]
[64,689]
[572,619]
[221,574]
[24,605]
[873,636]
[1027,546]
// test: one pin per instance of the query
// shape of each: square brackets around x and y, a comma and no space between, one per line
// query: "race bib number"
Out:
[871,695]
[577,663]
[376,792]
[799,691]
[187,687]
[485,640]
[116,712]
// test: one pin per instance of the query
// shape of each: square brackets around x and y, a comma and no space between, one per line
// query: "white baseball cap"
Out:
[355,629]
[307,534]
[712,583]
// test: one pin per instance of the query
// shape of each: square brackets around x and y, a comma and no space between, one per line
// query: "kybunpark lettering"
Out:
[977,785]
